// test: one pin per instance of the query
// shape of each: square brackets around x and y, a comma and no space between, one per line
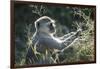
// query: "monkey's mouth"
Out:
[52,30]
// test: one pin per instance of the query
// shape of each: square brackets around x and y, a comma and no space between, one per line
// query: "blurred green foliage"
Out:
[66,18]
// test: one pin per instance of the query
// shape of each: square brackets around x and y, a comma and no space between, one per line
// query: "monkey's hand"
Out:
[72,38]
[78,32]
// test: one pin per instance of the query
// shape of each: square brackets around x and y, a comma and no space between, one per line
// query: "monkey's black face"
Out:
[45,24]
[51,27]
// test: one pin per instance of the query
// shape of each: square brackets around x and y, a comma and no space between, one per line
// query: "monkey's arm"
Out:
[51,43]
[69,34]
[66,36]
[72,37]
[55,43]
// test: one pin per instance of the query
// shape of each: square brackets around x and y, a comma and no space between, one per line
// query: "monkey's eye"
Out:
[51,24]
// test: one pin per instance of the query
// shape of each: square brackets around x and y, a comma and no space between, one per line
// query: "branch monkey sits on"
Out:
[43,41]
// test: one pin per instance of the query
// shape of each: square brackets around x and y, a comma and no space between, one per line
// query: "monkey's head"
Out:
[45,24]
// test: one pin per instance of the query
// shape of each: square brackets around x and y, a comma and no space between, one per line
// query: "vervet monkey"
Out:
[44,41]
